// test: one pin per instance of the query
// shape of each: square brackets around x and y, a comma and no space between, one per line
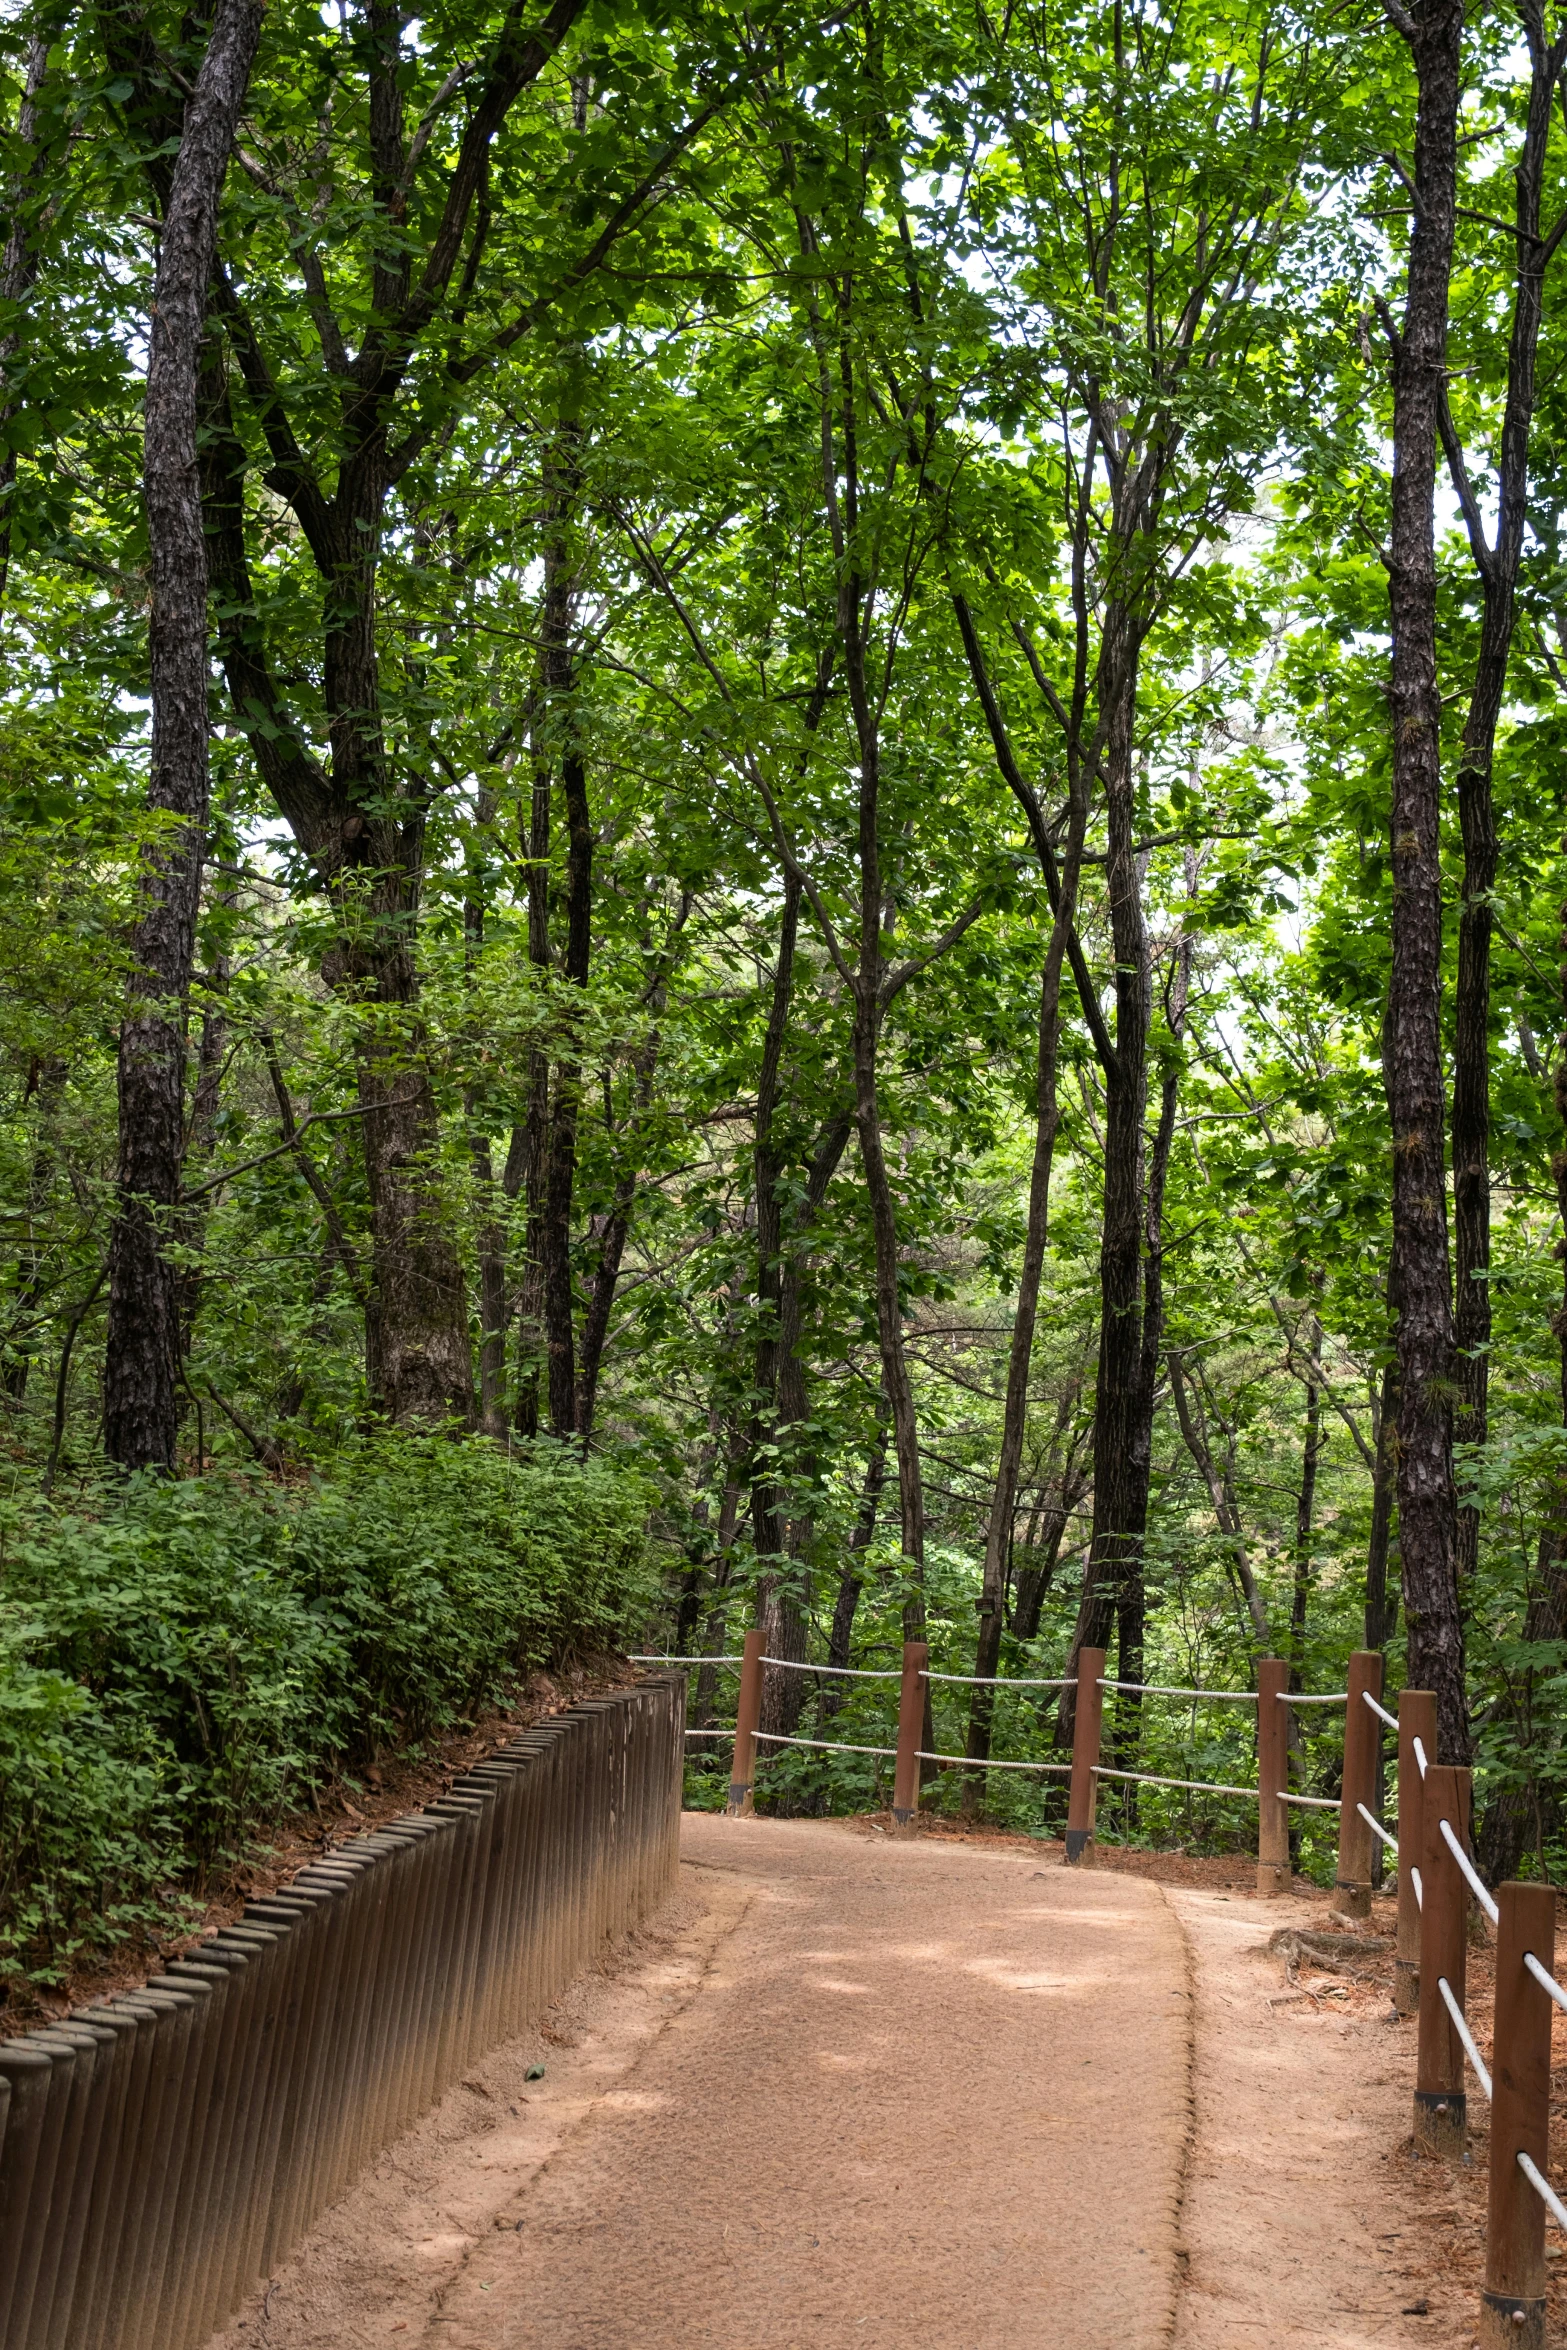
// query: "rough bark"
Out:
[1047,1120]
[1305,1526]
[1382,1610]
[841,1633]
[1421,1271]
[45,1084]
[211,1053]
[558,667]
[528,1158]
[26,220]
[1123,1415]
[1497,566]
[493,1297]
[141,1366]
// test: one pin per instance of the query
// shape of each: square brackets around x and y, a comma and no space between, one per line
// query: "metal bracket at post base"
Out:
[1079,1844]
[1354,1898]
[903,1819]
[740,1804]
[1441,2121]
[1506,2318]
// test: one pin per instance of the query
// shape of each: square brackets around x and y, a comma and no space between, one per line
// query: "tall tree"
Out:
[1412,1049]
[141,1364]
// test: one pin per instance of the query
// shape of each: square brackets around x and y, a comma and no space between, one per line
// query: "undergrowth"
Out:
[182,1663]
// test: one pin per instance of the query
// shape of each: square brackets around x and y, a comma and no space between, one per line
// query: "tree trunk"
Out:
[1498,570]
[1123,1416]
[530,1147]
[46,1081]
[841,1635]
[1381,1611]
[494,1304]
[199,1142]
[889,1311]
[19,264]
[1305,1522]
[559,671]
[1047,1120]
[141,1366]
[1413,1040]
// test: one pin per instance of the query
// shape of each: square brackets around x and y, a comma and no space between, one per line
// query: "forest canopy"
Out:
[824,757]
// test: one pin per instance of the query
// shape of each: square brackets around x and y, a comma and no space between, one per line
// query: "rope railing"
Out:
[1153,1779]
[1546,2192]
[998,1681]
[827,1745]
[1160,1689]
[1437,1880]
[1085,1770]
[789,1664]
[1546,1980]
[1461,2027]
[1471,1874]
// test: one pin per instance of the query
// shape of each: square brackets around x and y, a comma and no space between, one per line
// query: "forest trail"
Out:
[864,2094]
[905,2094]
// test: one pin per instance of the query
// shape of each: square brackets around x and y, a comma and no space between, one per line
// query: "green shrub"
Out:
[183,1662]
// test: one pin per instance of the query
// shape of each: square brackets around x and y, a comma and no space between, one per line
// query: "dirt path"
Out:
[894,2095]
[1301,2226]
[906,2094]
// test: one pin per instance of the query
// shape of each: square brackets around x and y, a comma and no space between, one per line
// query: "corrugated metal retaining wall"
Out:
[164,2149]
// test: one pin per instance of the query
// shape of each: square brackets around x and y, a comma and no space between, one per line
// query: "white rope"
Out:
[1203,1786]
[787,1664]
[1546,2192]
[998,1681]
[1159,1689]
[1376,1827]
[1420,1891]
[1420,1757]
[1380,1711]
[686,1660]
[1297,1697]
[729,1733]
[987,1765]
[1308,1802]
[1547,1982]
[828,1745]
[1468,1867]
[1464,2033]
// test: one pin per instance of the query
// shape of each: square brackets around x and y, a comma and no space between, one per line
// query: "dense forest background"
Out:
[808,907]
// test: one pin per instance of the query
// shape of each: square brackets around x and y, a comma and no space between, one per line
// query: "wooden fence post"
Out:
[1512,2307]
[1361,1732]
[1085,1757]
[911,1722]
[1416,1719]
[1273,1833]
[1440,2111]
[742,1771]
